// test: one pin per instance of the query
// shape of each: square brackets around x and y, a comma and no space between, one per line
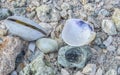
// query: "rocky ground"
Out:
[22,57]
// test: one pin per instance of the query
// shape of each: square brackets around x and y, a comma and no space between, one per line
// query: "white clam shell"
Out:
[27,32]
[76,32]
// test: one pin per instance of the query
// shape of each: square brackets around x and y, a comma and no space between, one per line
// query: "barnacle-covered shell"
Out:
[69,56]
[76,32]
[24,28]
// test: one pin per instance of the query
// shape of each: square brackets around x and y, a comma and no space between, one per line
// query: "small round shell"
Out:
[76,32]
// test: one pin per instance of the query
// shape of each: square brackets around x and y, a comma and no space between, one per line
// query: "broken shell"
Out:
[77,32]
[69,56]
[24,28]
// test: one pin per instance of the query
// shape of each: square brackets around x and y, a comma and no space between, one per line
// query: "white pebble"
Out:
[109,27]
[89,69]
[47,45]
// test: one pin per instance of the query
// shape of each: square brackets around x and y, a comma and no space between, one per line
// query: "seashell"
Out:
[76,32]
[24,28]
[70,56]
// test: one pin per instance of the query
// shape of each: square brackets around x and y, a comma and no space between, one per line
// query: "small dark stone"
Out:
[102,46]
[73,55]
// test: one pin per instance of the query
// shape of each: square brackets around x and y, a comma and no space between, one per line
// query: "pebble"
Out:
[109,27]
[79,73]
[69,56]
[108,41]
[64,72]
[99,72]
[104,12]
[47,45]
[111,72]
[89,69]
[1,40]
[14,73]
[37,67]
[111,48]
[65,6]
[9,50]
[89,7]
[43,13]
[116,18]
[118,70]
[20,11]
[118,50]
[31,46]
[64,14]
[4,13]
[55,15]
[3,32]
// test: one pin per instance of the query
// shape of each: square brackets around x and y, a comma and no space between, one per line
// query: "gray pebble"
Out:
[108,41]
[111,72]
[104,12]
[4,13]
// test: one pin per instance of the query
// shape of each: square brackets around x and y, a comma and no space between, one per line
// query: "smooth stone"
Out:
[111,72]
[66,60]
[116,18]
[109,27]
[47,45]
[89,69]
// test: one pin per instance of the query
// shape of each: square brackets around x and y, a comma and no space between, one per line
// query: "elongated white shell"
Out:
[77,32]
[27,32]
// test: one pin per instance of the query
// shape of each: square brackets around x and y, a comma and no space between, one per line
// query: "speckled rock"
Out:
[9,50]
[4,13]
[37,67]
[46,13]
[109,27]
[89,69]
[116,18]
[42,13]
[47,45]
[111,72]
[74,56]
[99,72]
